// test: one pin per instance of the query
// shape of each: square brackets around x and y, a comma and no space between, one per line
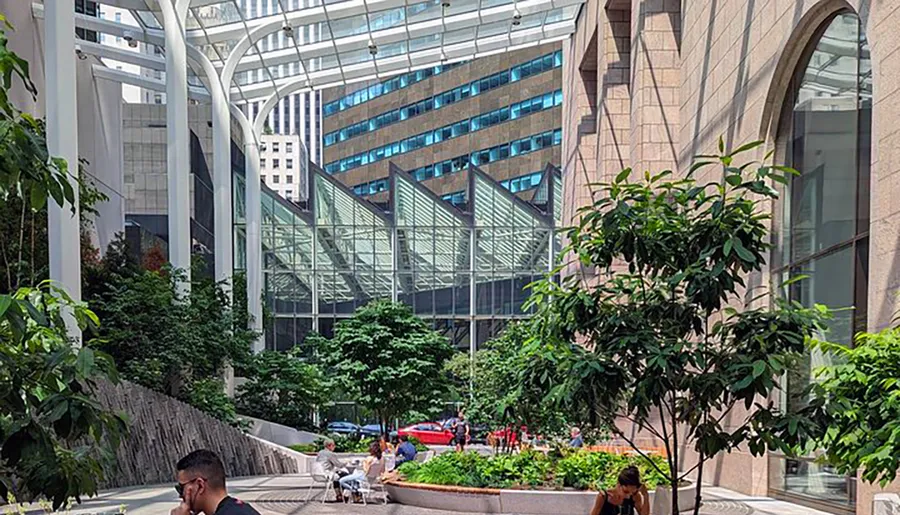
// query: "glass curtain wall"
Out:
[328,256]
[825,218]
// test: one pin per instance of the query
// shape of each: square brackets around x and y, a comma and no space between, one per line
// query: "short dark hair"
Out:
[630,476]
[205,464]
[404,438]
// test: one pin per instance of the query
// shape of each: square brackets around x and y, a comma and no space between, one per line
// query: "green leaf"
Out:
[727,247]
[747,146]
[38,197]
[733,179]
[84,363]
[5,302]
[622,176]
[759,367]
[742,252]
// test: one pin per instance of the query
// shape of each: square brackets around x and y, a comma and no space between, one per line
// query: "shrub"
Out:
[581,470]
[420,447]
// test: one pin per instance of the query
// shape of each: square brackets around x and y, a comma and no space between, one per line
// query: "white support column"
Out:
[62,141]
[224,227]
[254,241]
[223,222]
[178,137]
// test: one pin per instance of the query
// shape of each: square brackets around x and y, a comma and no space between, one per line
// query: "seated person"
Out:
[352,481]
[629,497]
[577,440]
[406,451]
[332,466]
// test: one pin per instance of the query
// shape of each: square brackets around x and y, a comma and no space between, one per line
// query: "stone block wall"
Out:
[652,83]
[162,430]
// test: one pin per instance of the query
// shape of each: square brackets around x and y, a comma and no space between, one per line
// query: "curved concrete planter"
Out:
[536,502]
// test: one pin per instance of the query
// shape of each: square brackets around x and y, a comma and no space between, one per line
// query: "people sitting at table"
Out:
[406,451]
[352,482]
[332,466]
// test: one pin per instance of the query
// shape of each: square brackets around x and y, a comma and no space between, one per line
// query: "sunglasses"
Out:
[180,486]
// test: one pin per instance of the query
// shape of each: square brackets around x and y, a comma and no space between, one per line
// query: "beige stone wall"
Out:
[698,70]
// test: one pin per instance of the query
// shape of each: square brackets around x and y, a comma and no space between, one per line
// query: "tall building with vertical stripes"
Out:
[300,113]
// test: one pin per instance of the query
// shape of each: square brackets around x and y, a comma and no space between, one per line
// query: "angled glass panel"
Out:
[217,14]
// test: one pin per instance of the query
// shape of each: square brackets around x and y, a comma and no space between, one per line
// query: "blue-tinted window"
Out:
[440,100]
[461,128]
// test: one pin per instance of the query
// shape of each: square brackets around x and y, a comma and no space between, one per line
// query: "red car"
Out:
[429,433]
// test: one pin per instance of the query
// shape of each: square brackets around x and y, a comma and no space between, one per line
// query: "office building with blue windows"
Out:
[501,113]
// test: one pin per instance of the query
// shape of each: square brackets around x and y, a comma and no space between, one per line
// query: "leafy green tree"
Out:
[54,436]
[390,360]
[160,338]
[853,409]
[657,344]
[492,391]
[25,163]
[283,388]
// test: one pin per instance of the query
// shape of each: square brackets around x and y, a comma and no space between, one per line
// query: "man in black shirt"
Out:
[201,486]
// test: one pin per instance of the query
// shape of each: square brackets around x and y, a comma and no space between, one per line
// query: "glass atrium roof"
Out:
[314,44]
[343,247]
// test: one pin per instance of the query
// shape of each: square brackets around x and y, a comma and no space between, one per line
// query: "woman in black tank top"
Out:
[629,497]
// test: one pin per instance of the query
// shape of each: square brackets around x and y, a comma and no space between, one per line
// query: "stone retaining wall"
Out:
[163,429]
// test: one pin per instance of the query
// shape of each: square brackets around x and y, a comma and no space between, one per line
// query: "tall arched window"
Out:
[826,135]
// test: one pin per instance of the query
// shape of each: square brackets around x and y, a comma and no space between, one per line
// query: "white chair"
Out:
[423,457]
[372,480]
[320,475]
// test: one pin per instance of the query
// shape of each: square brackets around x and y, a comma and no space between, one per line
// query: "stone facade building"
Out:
[651,83]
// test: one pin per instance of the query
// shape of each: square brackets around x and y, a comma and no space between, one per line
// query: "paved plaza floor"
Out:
[284,495]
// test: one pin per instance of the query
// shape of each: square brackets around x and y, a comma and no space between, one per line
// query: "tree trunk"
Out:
[674,420]
[698,497]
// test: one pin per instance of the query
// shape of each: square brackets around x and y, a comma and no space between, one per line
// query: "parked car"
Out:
[343,429]
[429,433]
[371,430]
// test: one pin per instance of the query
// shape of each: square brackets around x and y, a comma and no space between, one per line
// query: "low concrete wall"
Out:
[886,504]
[532,502]
[279,434]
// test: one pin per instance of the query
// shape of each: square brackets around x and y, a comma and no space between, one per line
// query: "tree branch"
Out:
[619,432]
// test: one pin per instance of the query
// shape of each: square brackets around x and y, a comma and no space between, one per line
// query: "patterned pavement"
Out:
[284,495]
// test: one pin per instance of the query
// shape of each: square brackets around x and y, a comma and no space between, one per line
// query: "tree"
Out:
[390,359]
[283,388]
[853,409]
[657,345]
[54,437]
[161,338]
[490,386]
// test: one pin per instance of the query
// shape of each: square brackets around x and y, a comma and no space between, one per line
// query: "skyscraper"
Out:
[501,113]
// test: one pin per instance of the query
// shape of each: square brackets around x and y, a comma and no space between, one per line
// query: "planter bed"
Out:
[492,500]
